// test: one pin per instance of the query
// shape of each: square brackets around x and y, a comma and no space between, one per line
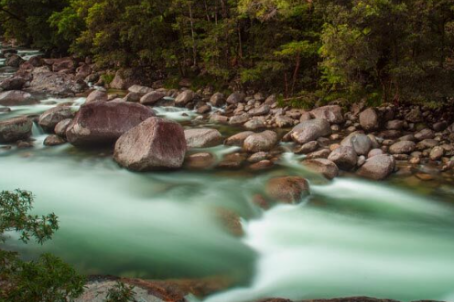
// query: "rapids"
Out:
[392,239]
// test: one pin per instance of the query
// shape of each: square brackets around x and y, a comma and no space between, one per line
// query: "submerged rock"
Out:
[154,144]
[287,189]
[200,161]
[15,129]
[204,137]
[104,122]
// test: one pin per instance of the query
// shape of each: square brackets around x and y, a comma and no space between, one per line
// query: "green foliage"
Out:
[14,216]
[47,279]
[121,293]
[395,50]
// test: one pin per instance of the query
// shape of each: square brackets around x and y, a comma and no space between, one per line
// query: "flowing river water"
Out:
[392,239]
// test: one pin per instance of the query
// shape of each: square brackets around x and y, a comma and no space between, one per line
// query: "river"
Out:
[392,239]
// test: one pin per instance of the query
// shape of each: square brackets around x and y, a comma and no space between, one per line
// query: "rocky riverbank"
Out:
[335,139]
[332,141]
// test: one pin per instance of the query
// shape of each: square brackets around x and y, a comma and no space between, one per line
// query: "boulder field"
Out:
[336,139]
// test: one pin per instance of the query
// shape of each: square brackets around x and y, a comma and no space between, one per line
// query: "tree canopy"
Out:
[389,50]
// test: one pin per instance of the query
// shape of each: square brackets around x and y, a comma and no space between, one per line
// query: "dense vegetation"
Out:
[389,50]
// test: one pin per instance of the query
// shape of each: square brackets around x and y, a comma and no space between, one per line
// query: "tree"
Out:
[48,278]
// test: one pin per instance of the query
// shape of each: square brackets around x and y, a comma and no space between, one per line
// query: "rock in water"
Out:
[154,144]
[324,167]
[287,189]
[16,97]
[50,118]
[264,141]
[204,137]
[104,122]
[15,129]
[310,130]
[378,167]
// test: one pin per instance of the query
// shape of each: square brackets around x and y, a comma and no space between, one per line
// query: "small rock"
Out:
[287,189]
[54,140]
[307,148]
[324,167]
[378,167]
[402,147]
[202,138]
[264,141]
[368,119]
[344,157]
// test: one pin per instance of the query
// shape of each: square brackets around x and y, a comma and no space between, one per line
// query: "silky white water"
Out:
[350,237]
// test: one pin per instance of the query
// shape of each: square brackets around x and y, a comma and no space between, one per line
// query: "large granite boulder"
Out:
[154,144]
[97,96]
[104,122]
[369,119]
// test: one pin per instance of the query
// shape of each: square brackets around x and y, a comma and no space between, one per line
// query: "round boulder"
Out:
[377,168]
[154,144]
[264,141]
[344,157]
[310,130]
